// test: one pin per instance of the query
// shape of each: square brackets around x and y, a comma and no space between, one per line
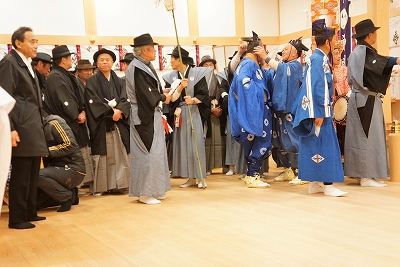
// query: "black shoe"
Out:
[37,218]
[75,196]
[119,191]
[66,206]
[26,225]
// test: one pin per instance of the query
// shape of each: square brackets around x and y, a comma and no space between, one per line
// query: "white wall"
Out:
[395,4]
[135,17]
[261,17]
[293,16]
[216,17]
[358,7]
[45,17]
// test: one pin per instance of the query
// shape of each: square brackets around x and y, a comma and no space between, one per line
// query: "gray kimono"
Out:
[149,167]
[365,146]
[184,161]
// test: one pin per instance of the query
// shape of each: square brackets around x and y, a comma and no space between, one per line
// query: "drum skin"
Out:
[340,106]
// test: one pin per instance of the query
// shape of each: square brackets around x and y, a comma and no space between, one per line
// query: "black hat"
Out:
[205,59]
[279,53]
[142,40]
[40,56]
[184,53]
[128,58]
[84,64]
[364,27]
[234,54]
[319,29]
[251,39]
[104,51]
[60,51]
[298,45]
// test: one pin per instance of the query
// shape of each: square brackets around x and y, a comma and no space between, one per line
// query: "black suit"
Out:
[26,119]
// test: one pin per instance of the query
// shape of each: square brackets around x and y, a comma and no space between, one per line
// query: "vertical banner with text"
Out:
[345,30]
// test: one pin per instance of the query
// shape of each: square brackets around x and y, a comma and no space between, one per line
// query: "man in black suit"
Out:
[42,65]
[29,145]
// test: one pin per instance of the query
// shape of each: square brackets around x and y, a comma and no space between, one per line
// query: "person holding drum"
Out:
[319,153]
[369,75]
[342,90]
[288,76]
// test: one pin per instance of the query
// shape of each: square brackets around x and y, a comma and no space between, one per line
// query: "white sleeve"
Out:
[175,96]
[273,64]
[234,63]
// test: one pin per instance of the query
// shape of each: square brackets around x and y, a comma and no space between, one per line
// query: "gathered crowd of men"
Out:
[131,134]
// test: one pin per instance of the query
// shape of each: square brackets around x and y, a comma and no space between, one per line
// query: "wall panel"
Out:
[261,17]
[45,17]
[358,7]
[135,17]
[293,16]
[216,17]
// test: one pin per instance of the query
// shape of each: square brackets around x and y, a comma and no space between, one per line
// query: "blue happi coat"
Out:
[286,84]
[319,153]
[246,98]
[250,115]
[286,87]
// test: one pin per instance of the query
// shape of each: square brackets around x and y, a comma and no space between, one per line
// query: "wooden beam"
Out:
[193,18]
[239,18]
[90,17]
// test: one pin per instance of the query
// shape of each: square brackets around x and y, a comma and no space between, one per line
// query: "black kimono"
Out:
[65,100]
[99,113]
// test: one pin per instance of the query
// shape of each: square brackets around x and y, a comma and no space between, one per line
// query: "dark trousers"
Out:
[341,133]
[58,182]
[23,189]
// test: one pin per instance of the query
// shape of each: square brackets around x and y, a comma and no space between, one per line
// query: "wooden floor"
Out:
[227,224]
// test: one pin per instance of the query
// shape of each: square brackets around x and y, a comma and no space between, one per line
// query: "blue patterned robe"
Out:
[319,153]
[250,115]
[286,87]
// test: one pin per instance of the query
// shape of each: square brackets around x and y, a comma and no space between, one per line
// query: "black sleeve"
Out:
[123,103]
[63,138]
[59,93]
[223,102]
[8,79]
[147,95]
[94,104]
[201,93]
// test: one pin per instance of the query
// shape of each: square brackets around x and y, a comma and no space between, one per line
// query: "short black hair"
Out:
[320,40]
[185,61]
[251,45]
[58,60]
[361,38]
[19,35]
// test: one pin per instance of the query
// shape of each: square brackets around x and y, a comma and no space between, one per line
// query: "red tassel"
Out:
[160,57]
[78,52]
[121,55]
[178,121]
[197,55]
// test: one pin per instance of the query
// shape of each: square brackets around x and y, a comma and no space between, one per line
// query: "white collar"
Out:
[27,62]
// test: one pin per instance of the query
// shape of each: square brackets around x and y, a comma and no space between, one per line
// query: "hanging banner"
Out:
[197,55]
[345,30]
[121,56]
[324,9]
[354,42]
[160,58]
[78,52]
